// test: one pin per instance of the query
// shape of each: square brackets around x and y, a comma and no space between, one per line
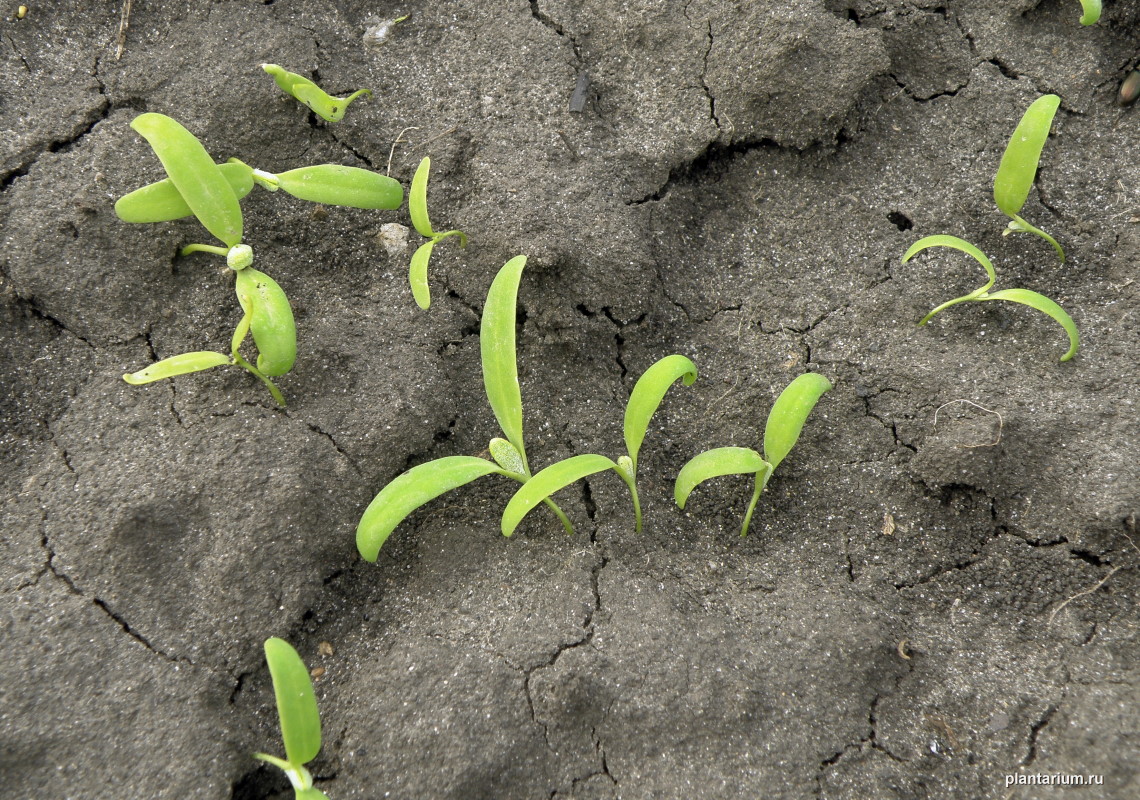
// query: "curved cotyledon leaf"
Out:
[715,463]
[336,185]
[788,414]
[497,351]
[270,321]
[161,202]
[647,395]
[418,274]
[1019,161]
[954,242]
[183,364]
[417,199]
[194,174]
[1090,11]
[409,491]
[548,481]
[296,704]
[1045,306]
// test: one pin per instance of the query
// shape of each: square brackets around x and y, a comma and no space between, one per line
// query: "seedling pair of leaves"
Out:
[983,293]
[425,482]
[299,717]
[781,432]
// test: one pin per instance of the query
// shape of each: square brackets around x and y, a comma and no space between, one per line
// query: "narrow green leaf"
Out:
[161,202]
[497,349]
[195,175]
[942,240]
[329,108]
[788,414]
[311,794]
[713,464]
[296,704]
[270,321]
[417,199]
[1018,165]
[183,364]
[1091,12]
[647,395]
[418,274]
[336,185]
[409,491]
[1045,306]
[548,481]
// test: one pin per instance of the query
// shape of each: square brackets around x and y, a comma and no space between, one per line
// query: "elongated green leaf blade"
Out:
[161,202]
[296,704]
[788,414]
[418,274]
[411,490]
[417,199]
[1091,11]
[270,321]
[194,174]
[942,240]
[183,364]
[497,349]
[1018,165]
[647,395]
[335,185]
[1045,306]
[713,464]
[548,481]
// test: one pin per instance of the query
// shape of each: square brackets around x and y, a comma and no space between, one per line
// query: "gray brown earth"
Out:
[919,610]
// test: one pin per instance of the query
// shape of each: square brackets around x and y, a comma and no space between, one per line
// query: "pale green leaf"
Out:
[183,364]
[418,274]
[788,414]
[417,199]
[296,704]
[195,175]
[646,397]
[270,321]
[336,185]
[547,482]
[497,349]
[1045,306]
[161,202]
[713,464]
[409,491]
[329,108]
[1018,165]
[1091,11]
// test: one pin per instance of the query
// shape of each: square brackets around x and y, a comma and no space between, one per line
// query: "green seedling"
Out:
[267,315]
[330,109]
[1018,166]
[300,719]
[1022,296]
[417,210]
[646,397]
[425,482]
[782,431]
[1090,12]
